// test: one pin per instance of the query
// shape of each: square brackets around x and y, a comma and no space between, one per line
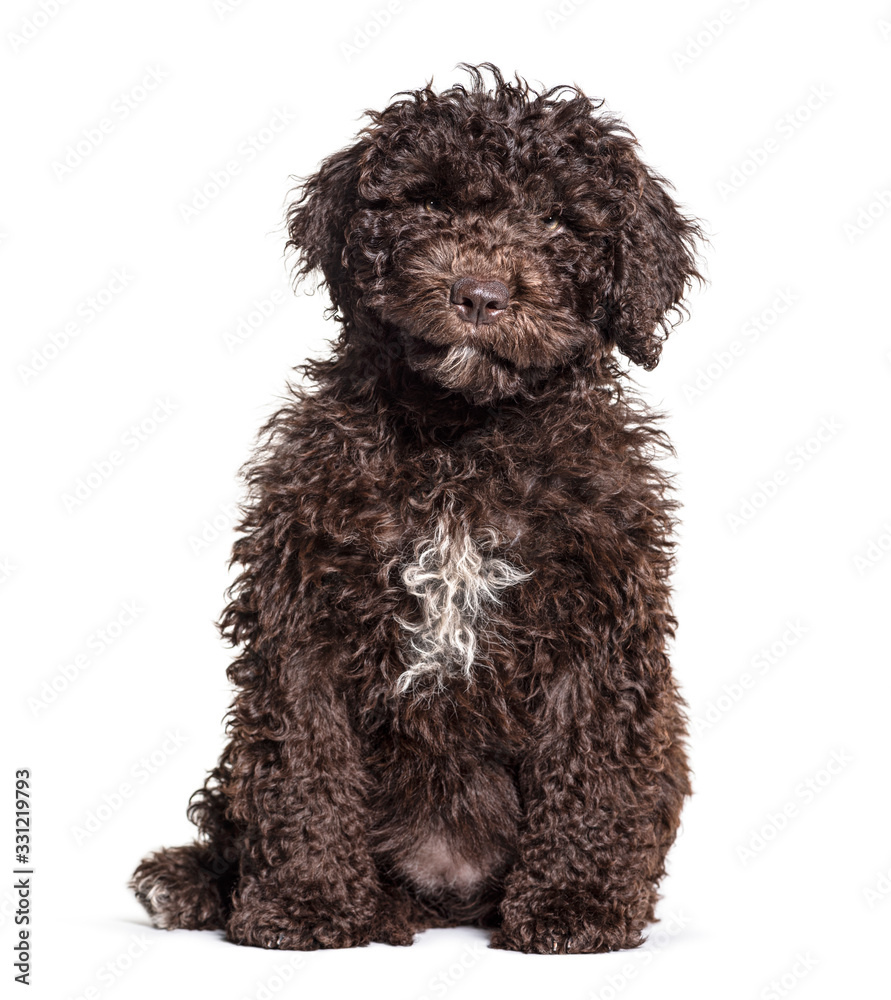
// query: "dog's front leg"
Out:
[602,787]
[307,878]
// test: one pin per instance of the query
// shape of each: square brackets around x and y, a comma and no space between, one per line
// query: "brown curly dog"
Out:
[454,704]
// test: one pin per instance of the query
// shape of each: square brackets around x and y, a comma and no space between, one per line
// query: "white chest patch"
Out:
[454,577]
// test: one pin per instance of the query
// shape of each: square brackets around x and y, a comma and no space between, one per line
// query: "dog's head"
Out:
[491,237]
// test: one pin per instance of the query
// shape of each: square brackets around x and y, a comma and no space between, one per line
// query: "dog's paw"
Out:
[562,924]
[542,938]
[313,935]
[290,935]
[264,919]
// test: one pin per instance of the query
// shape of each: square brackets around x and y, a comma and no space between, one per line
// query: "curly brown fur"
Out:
[454,703]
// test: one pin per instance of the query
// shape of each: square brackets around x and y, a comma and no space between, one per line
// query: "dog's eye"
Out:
[552,222]
[433,205]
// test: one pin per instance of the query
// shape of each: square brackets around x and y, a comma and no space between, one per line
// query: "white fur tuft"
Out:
[453,577]
[452,367]
[154,892]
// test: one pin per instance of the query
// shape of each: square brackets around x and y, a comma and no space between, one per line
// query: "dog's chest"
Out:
[449,561]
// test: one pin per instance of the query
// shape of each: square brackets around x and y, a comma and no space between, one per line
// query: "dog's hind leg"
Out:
[182,887]
[190,887]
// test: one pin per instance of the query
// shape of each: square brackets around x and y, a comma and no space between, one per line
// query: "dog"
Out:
[454,703]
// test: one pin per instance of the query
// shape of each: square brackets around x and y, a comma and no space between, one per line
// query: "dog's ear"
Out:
[651,258]
[319,217]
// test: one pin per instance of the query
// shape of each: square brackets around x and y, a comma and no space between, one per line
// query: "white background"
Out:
[797,200]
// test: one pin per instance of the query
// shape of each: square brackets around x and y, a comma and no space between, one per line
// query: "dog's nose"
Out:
[479,301]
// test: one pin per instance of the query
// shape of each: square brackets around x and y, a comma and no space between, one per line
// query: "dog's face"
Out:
[492,238]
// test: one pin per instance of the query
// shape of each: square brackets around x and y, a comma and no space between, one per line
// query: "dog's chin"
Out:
[477,373]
